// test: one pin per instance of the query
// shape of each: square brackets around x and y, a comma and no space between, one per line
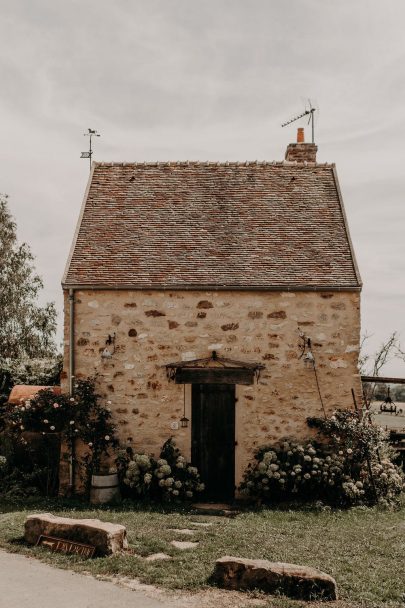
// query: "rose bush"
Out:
[82,419]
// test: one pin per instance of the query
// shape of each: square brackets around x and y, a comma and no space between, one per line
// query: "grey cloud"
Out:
[206,80]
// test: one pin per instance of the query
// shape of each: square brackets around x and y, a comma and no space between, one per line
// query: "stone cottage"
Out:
[218,303]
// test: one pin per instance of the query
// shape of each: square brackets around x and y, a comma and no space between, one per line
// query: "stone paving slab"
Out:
[183,544]
[184,531]
[154,557]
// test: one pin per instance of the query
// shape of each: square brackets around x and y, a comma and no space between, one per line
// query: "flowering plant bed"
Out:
[82,418]
[352,465]
[170,477]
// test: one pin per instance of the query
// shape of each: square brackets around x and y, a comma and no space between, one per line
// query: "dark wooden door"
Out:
[213,438]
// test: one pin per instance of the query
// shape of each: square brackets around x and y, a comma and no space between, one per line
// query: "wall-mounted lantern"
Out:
[109,349]
[184,420]
[306,351]
[309,360]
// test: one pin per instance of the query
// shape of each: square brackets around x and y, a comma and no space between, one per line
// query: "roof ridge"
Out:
[197,163]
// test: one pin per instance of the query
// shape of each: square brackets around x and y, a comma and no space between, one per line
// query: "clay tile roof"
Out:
[219,225]
[22,392]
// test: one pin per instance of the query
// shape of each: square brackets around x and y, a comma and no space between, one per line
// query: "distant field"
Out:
[390,421]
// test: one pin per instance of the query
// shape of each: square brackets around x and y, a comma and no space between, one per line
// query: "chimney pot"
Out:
[300,135]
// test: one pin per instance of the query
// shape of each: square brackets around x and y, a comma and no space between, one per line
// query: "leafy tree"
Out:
[26,329]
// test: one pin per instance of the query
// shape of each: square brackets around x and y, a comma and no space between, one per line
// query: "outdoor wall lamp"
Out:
[108,352]
[309,360]
[184,420]
[306,351]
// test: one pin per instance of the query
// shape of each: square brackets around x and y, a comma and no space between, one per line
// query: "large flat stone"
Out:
[295,581]
[108,538]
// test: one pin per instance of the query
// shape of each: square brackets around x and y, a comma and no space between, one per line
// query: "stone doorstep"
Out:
[301,582]
[221,509]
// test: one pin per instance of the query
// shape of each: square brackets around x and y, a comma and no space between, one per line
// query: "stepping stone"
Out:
[201,523]
[154,557]
[183,544]
[185,531]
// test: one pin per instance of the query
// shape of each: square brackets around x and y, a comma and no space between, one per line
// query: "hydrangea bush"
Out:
[170,477]
[351,465]
[292,470]
[135,472]
[178,479]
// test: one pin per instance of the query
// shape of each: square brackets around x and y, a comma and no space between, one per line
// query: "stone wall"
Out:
[155,328]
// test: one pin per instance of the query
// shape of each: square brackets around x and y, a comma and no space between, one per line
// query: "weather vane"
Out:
[309,113]
[91,133]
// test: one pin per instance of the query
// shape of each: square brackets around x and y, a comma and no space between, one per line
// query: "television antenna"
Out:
[91,133]
[310,114]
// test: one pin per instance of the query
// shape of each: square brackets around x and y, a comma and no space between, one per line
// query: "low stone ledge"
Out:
[300,582]
[106,537]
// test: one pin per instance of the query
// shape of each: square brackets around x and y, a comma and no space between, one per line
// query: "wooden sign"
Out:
[61,545]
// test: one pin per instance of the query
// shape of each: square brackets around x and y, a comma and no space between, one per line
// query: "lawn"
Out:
[364,549]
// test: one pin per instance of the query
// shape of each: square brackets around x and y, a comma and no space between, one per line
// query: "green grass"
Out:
[364,549]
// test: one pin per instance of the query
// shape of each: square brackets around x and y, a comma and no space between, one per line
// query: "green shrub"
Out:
[350,464]
[83,417]
[170,477]
[135,472]
[177,478]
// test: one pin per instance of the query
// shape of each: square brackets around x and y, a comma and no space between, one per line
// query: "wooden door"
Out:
[213,438]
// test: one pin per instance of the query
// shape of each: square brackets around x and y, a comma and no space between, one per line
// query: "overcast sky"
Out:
[207,80]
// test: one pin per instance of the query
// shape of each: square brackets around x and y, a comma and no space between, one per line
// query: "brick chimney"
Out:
[301,152]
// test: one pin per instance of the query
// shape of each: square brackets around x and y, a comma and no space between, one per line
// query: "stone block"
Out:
[300,582]
[108,538]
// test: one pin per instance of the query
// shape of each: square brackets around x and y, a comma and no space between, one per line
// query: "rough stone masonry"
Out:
[154,328]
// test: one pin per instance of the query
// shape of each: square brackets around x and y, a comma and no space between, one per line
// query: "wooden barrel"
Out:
[104,489]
